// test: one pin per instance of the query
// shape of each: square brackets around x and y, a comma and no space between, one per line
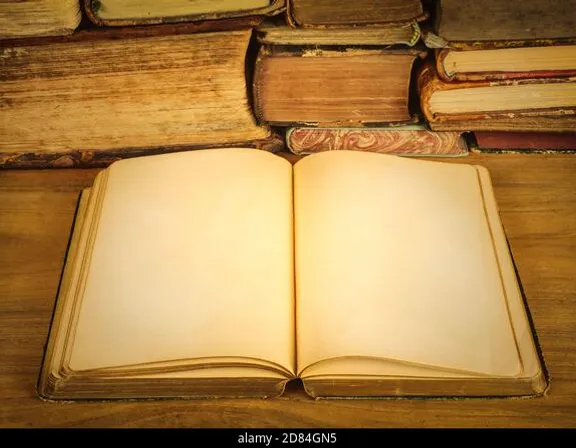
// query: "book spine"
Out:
[302,141]
[91,8]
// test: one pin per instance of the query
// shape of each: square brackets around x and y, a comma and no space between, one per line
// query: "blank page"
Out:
[394,259]
[193,258]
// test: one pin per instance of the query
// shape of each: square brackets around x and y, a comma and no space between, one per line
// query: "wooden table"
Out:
[537,200]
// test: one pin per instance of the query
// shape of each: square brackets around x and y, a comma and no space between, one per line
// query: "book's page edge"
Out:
[511,280]
[71,255]
[63,28]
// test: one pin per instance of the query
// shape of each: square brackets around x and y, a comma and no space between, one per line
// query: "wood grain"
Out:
[537,199]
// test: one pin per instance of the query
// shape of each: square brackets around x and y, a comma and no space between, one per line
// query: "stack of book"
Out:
[504,69]
[336,75]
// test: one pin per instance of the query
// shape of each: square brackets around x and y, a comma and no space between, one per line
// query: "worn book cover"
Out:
[151,12]
[34,18]
[337,87]
[519,105]
[477,21]
[101,95]
[544,61]
[328,13]
[276,32]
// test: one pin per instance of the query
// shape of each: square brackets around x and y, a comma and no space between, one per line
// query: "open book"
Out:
[229,272]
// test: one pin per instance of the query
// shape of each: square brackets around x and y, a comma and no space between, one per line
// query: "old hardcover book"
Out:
[278,33]
[409,140]
[310,13]
[229,272]
[147,12]
[547,104]
[477,21]
[103,95]
[550,61]
[524,142]
[346,87]
[28,18]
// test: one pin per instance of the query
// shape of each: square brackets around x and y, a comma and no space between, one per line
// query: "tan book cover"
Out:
[152,12]
[34,18]
[100,95]
[229,272]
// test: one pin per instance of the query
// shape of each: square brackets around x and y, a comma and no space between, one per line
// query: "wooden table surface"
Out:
[537,199]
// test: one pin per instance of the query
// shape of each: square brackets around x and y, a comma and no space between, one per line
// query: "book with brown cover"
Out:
[475,22]
[328,87]
[408,140]
[328,13]
[96,96]
[547,104]
[524,142]
[127,13]
[35,18]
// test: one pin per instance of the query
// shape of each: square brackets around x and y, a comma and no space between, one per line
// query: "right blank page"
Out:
[395,260]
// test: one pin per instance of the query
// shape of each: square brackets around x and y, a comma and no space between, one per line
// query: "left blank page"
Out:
[192,259]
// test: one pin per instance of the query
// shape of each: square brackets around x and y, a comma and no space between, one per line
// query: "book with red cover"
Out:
[529,142]
[330,13]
